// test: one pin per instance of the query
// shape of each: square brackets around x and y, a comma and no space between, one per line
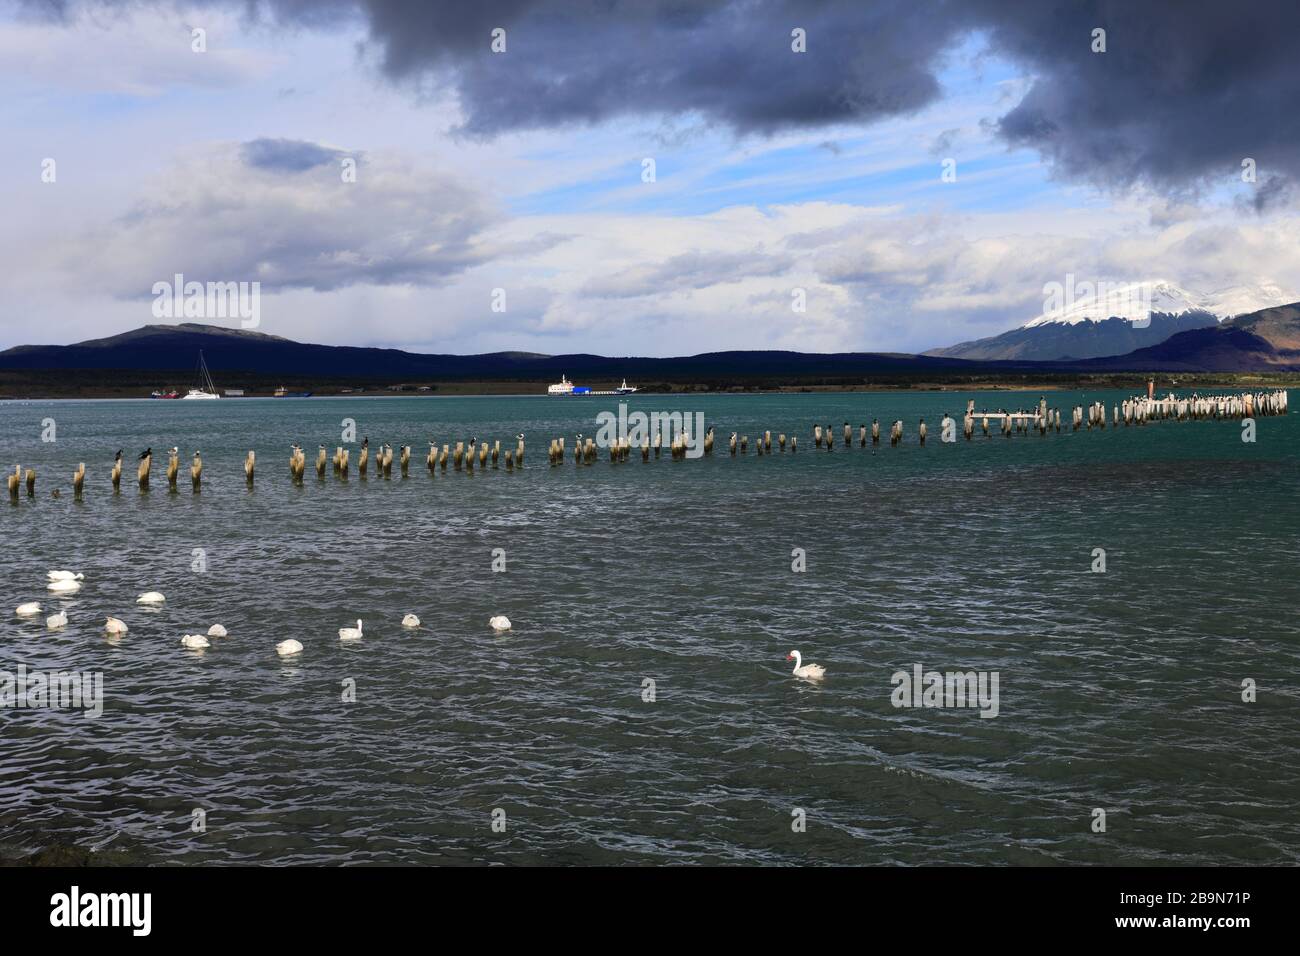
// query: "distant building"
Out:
[234,393]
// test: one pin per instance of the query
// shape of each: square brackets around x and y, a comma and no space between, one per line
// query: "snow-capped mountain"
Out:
[1089,321]
[1135,301]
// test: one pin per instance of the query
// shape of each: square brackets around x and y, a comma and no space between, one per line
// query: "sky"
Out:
[912,178]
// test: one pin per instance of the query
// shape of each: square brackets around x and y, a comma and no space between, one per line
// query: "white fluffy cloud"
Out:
[411,257]
[229,214]
[132,51]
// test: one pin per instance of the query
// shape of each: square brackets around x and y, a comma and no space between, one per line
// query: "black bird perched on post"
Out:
[144,454]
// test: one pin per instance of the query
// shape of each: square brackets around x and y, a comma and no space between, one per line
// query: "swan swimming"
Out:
[150,597]
[350,633]
[195,642]
[216,630]
[285,648]
[410,621]
[30,609]
[64,586]
[56,621]
[808,671]
[64,576]
[115,625]
[500,623]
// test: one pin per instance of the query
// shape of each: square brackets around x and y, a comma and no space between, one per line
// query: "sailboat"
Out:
[206,389]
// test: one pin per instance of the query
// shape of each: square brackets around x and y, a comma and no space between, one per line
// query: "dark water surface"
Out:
[1119,690]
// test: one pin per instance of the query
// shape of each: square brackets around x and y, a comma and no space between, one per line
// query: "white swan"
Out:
[195,642]
[64,586]
[150,597]
[56,621]
[30,609]
[64,576]
[285,648]
[809,671]
[216,630]
[410,621]
[500,623]
[350,633]
[115,625]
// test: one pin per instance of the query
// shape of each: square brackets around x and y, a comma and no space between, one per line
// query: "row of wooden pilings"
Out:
[144,469]
[1144,408]
[463,456]
[586,451]
[1137,410]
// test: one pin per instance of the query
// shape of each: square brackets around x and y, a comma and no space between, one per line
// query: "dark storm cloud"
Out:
[1185,91]
[731,62]
[287,155]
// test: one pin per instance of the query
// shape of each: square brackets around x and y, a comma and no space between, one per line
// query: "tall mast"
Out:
[207,376]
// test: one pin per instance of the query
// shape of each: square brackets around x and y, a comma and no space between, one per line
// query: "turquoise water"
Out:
[1118,691]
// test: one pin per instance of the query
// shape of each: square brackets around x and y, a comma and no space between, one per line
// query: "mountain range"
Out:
[1116,320]
[1267,340]
[175,349]
[1263,341]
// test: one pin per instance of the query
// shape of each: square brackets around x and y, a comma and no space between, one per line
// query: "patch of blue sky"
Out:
[894,161]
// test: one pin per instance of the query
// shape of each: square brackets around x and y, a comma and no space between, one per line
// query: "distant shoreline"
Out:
[46,386]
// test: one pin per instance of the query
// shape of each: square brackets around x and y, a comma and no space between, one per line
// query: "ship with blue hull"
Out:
[566,388]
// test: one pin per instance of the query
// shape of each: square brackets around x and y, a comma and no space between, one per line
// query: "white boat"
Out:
[565,387]
[207,389]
